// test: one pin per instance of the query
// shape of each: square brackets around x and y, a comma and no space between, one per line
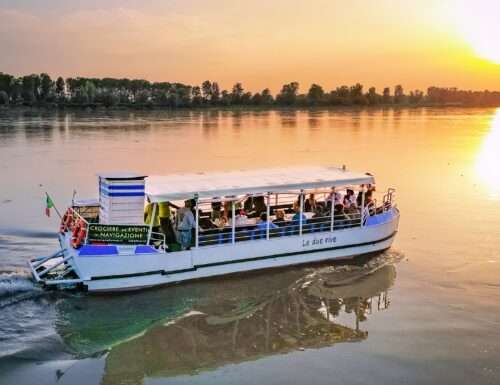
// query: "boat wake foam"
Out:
[16,287]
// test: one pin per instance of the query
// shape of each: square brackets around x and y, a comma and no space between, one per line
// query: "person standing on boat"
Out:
[184,223]
[335,197]
[165,222]
[259,206]
[148,216]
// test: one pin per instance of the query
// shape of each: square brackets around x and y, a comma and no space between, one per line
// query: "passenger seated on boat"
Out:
[318,212]
[206,224]
[222,221]
[341,219]
[148,213]
[216,208]
[296,218]
[310,203]
[228,207]
[280,219]
[262,223]
[353,212]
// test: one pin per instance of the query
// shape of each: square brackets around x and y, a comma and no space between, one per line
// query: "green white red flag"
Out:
[49,205]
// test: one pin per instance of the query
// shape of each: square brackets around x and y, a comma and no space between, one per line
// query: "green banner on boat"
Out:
[121,234]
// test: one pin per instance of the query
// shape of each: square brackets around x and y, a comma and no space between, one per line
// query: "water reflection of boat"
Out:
[237,320]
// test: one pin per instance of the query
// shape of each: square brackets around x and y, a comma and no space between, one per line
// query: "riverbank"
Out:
[133,107]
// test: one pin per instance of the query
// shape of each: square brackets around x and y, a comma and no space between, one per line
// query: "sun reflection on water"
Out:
[488,160]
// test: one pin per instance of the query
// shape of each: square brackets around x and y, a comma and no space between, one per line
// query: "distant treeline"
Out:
[43,91]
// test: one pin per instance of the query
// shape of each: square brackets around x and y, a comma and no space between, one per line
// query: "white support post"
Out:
[151,222]
[268,201]
[332,219]
[197,231]
[233,222]
[301,211]
[362,206]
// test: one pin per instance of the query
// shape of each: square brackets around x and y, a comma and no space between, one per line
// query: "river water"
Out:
[425,312]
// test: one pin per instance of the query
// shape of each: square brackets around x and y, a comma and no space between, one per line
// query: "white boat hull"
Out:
[129,270]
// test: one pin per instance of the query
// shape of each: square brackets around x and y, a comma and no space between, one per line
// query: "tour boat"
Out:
[105,245]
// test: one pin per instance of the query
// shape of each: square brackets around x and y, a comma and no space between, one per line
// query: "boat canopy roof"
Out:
[120,175]
[241,182]
[86,202]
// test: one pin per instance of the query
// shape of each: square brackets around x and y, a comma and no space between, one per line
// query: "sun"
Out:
[478,23]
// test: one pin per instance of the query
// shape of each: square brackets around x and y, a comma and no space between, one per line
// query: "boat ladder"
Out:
[40,271]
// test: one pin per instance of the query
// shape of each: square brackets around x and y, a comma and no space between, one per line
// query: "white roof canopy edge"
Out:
[208,185]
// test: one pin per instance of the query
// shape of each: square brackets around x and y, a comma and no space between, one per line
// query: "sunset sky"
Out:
[260,43]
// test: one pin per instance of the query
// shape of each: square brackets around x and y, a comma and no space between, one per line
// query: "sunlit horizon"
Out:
[488,159]
[261,45]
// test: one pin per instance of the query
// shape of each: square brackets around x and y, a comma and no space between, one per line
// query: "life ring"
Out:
[66,221]
[79,233]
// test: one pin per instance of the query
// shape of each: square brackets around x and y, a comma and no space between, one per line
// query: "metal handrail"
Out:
[75,215]
[388,199]
[162,239]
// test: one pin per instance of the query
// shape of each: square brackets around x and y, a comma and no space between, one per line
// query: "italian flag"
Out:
[49,205]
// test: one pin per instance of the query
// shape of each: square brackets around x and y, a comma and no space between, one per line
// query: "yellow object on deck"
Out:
[149,212]
[164,209]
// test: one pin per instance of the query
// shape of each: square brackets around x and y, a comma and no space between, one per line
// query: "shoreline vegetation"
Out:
[41,92]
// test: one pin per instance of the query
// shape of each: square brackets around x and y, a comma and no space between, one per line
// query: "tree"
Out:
[315,94]
[37,82]
[108,98]
[173,100]
[80,96]
[356,95]
[60,86]
[196,98]
[90,90]
[288,94]
[225,98]
[256,99]
[266,97]
[28,87]
[373,97]
[46,84]
[214,94]
[206,90]
[6,83]
[142,97]
[4,98]
[237,93]
[386,96]
[246,98]
[398,94]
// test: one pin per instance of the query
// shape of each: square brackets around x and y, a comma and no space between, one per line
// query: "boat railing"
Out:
[77,217]
[158,240]
[388,199]
[285,229]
